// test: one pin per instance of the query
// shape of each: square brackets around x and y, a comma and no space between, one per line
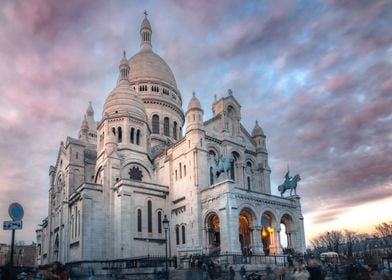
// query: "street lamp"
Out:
[165,223]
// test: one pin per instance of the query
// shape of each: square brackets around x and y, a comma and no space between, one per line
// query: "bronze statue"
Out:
[223,164]
[290,183]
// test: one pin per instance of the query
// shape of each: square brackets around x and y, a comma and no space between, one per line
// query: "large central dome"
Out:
[148,65]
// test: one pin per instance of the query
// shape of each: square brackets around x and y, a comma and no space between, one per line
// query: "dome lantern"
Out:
[145,33]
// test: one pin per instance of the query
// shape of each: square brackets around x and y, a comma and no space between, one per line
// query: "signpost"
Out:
[7,225]
[16,212]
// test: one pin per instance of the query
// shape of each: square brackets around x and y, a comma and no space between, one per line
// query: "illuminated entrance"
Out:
[267,233]
[213,233]
[244,231]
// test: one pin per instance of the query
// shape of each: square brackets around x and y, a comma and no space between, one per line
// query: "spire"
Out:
[145,33]
[83,132]
[89,117]
[84,126]
[90,110]
[124,68]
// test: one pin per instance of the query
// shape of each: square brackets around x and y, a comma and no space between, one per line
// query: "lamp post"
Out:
[165,223]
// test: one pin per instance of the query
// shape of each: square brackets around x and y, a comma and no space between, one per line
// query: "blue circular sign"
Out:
[16,211]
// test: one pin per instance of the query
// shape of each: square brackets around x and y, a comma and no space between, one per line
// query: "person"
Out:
[374,273]
[204,269]
[231,273]
[269,274]
[57,272]
[314,269]
[386,275]
[243,272]
[301,273]
[8,272]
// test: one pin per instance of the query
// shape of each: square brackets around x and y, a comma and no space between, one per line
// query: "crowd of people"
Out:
[55,271]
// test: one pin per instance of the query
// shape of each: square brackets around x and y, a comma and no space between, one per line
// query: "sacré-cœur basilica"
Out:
[112,186]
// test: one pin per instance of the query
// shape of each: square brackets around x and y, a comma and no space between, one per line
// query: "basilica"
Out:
[145,160]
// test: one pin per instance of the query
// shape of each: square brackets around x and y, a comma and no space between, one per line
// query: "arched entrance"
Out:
[244,231]
[213,234]
[268,233]
[287,233]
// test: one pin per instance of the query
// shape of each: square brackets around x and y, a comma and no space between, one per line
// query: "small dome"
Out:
[124,100]
[257,130]
[194,103]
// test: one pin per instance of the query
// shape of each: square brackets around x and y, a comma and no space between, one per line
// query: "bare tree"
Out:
[335,237]
[384,231]
[350,237]
[318,244]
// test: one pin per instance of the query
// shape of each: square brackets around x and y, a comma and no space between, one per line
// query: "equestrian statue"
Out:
[290,183]
[223,164]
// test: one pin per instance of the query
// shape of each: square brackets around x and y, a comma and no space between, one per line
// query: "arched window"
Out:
[132,135]
[177,235]
[176,175]
[139,220]
[114,130]
[155,124]
[56,243]
[183,234]
[184,170]
[159,222]
[119,134]
[166,131]
[180,170]
[232,176]
[149,216]
[232,167]
[175,130]
[249,175]
[211,175]
[138,137]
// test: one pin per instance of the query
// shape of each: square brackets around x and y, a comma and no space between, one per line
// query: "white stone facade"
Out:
[111,187]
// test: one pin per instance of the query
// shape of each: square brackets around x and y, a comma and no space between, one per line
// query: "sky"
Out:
[317,75]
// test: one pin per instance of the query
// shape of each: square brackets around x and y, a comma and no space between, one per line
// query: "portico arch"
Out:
[269,236]
[245,229]
[212,233]
[289,232]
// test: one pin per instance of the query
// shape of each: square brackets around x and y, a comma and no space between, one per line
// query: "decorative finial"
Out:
[145,13]
[193,94]
[124,54]
[215,97]
[230,92]
[257,123]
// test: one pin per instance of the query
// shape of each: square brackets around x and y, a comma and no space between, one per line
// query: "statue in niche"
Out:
[223,165]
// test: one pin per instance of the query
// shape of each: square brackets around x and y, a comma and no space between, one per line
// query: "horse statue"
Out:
[289,184]
[223,164]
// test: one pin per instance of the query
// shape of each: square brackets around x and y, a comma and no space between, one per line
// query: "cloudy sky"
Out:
[317,75]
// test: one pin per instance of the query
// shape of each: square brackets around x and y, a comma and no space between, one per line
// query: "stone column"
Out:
[257,242]
[278,247]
